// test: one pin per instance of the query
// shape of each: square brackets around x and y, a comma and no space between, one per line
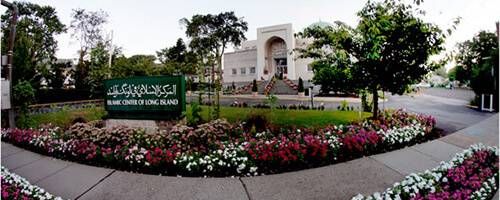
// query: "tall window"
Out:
[234,71]
[252,70]
[309,68]
[243,70]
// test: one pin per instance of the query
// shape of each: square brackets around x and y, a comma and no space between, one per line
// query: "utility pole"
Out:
[10,52]
[111,51]
[496,74]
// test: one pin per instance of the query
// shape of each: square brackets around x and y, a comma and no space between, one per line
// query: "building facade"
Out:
[271,54]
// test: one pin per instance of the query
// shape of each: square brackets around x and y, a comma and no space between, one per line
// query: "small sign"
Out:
[152,97]
[6,94]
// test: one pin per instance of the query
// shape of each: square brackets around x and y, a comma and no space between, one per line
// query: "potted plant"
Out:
[254,88]
[301,88]
[233,88]
[189,85]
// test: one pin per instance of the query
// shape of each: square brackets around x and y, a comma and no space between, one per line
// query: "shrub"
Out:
[194,117]
[271,101]
[254,86]
[301,85]
[256,120]
[344,106]
[365,103]
[24,95]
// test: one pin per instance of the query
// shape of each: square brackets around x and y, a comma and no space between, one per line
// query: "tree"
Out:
[35,44]
[24,95]
[57,77]
[476,59]
[136,65]
[178,59]
[212,34]
[99,68]
[177,53]
[87,28]
[388,50]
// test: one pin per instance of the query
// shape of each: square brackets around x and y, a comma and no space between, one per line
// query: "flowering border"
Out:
[472,174]
[17,187]
[218,148]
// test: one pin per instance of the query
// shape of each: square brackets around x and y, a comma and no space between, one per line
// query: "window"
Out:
[252,70]
[234,71]
[309,68]
[243,70]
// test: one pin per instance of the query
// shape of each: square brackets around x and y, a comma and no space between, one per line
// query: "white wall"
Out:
[301,69]
[237,60]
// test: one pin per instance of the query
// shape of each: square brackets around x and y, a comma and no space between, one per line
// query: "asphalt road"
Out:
[447,106]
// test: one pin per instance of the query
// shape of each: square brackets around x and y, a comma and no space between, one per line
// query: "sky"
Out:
[144,27]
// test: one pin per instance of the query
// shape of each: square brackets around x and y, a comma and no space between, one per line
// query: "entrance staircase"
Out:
[269,86]
[284,87]
[247,89]
[291,84]
[273,86]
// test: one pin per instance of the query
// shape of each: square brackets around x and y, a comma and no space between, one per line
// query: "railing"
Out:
[290,84]
[244,89]
[54,107]
[269,86]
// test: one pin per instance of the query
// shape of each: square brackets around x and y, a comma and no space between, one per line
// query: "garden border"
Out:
[309,183]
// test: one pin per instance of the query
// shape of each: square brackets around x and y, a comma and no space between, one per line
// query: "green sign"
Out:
[152,97]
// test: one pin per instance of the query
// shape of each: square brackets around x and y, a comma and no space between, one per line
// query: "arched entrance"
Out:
[276,57]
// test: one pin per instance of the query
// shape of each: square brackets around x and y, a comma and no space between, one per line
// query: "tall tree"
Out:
[388,50]
[477,63]
[176,53]
[136,65]
[87,28]
[57,76]
[331,65]
[35,43]
[212,34]
[99,68]
[177,59]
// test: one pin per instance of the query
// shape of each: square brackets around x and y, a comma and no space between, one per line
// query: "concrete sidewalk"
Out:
[340,181]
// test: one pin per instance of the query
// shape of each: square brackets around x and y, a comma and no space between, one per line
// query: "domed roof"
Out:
[320,24]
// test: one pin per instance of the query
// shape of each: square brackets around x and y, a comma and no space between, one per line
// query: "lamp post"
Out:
[10,55]
[312,96]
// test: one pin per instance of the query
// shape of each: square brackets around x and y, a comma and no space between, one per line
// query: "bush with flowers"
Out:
[472,174]
[16,187]
[219,148]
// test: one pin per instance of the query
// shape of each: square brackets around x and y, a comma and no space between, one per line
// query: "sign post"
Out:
[153,97]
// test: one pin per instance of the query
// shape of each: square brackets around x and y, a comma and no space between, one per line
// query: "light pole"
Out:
[312,96]
[10,58]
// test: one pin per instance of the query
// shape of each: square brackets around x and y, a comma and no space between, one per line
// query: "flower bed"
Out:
[16,187]
[222,149]
[472,174]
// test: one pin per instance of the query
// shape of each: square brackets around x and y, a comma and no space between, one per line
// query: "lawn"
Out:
[299,118]
[65,117]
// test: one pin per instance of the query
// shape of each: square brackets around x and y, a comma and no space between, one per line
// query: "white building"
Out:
[270,54]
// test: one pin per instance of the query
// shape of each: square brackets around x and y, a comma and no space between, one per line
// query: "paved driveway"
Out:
[451,113]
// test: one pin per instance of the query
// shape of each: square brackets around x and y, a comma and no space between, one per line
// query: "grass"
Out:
[65,117]
[299,118]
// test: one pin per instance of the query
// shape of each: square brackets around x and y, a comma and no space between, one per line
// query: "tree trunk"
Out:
[375,103]
[218,86]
